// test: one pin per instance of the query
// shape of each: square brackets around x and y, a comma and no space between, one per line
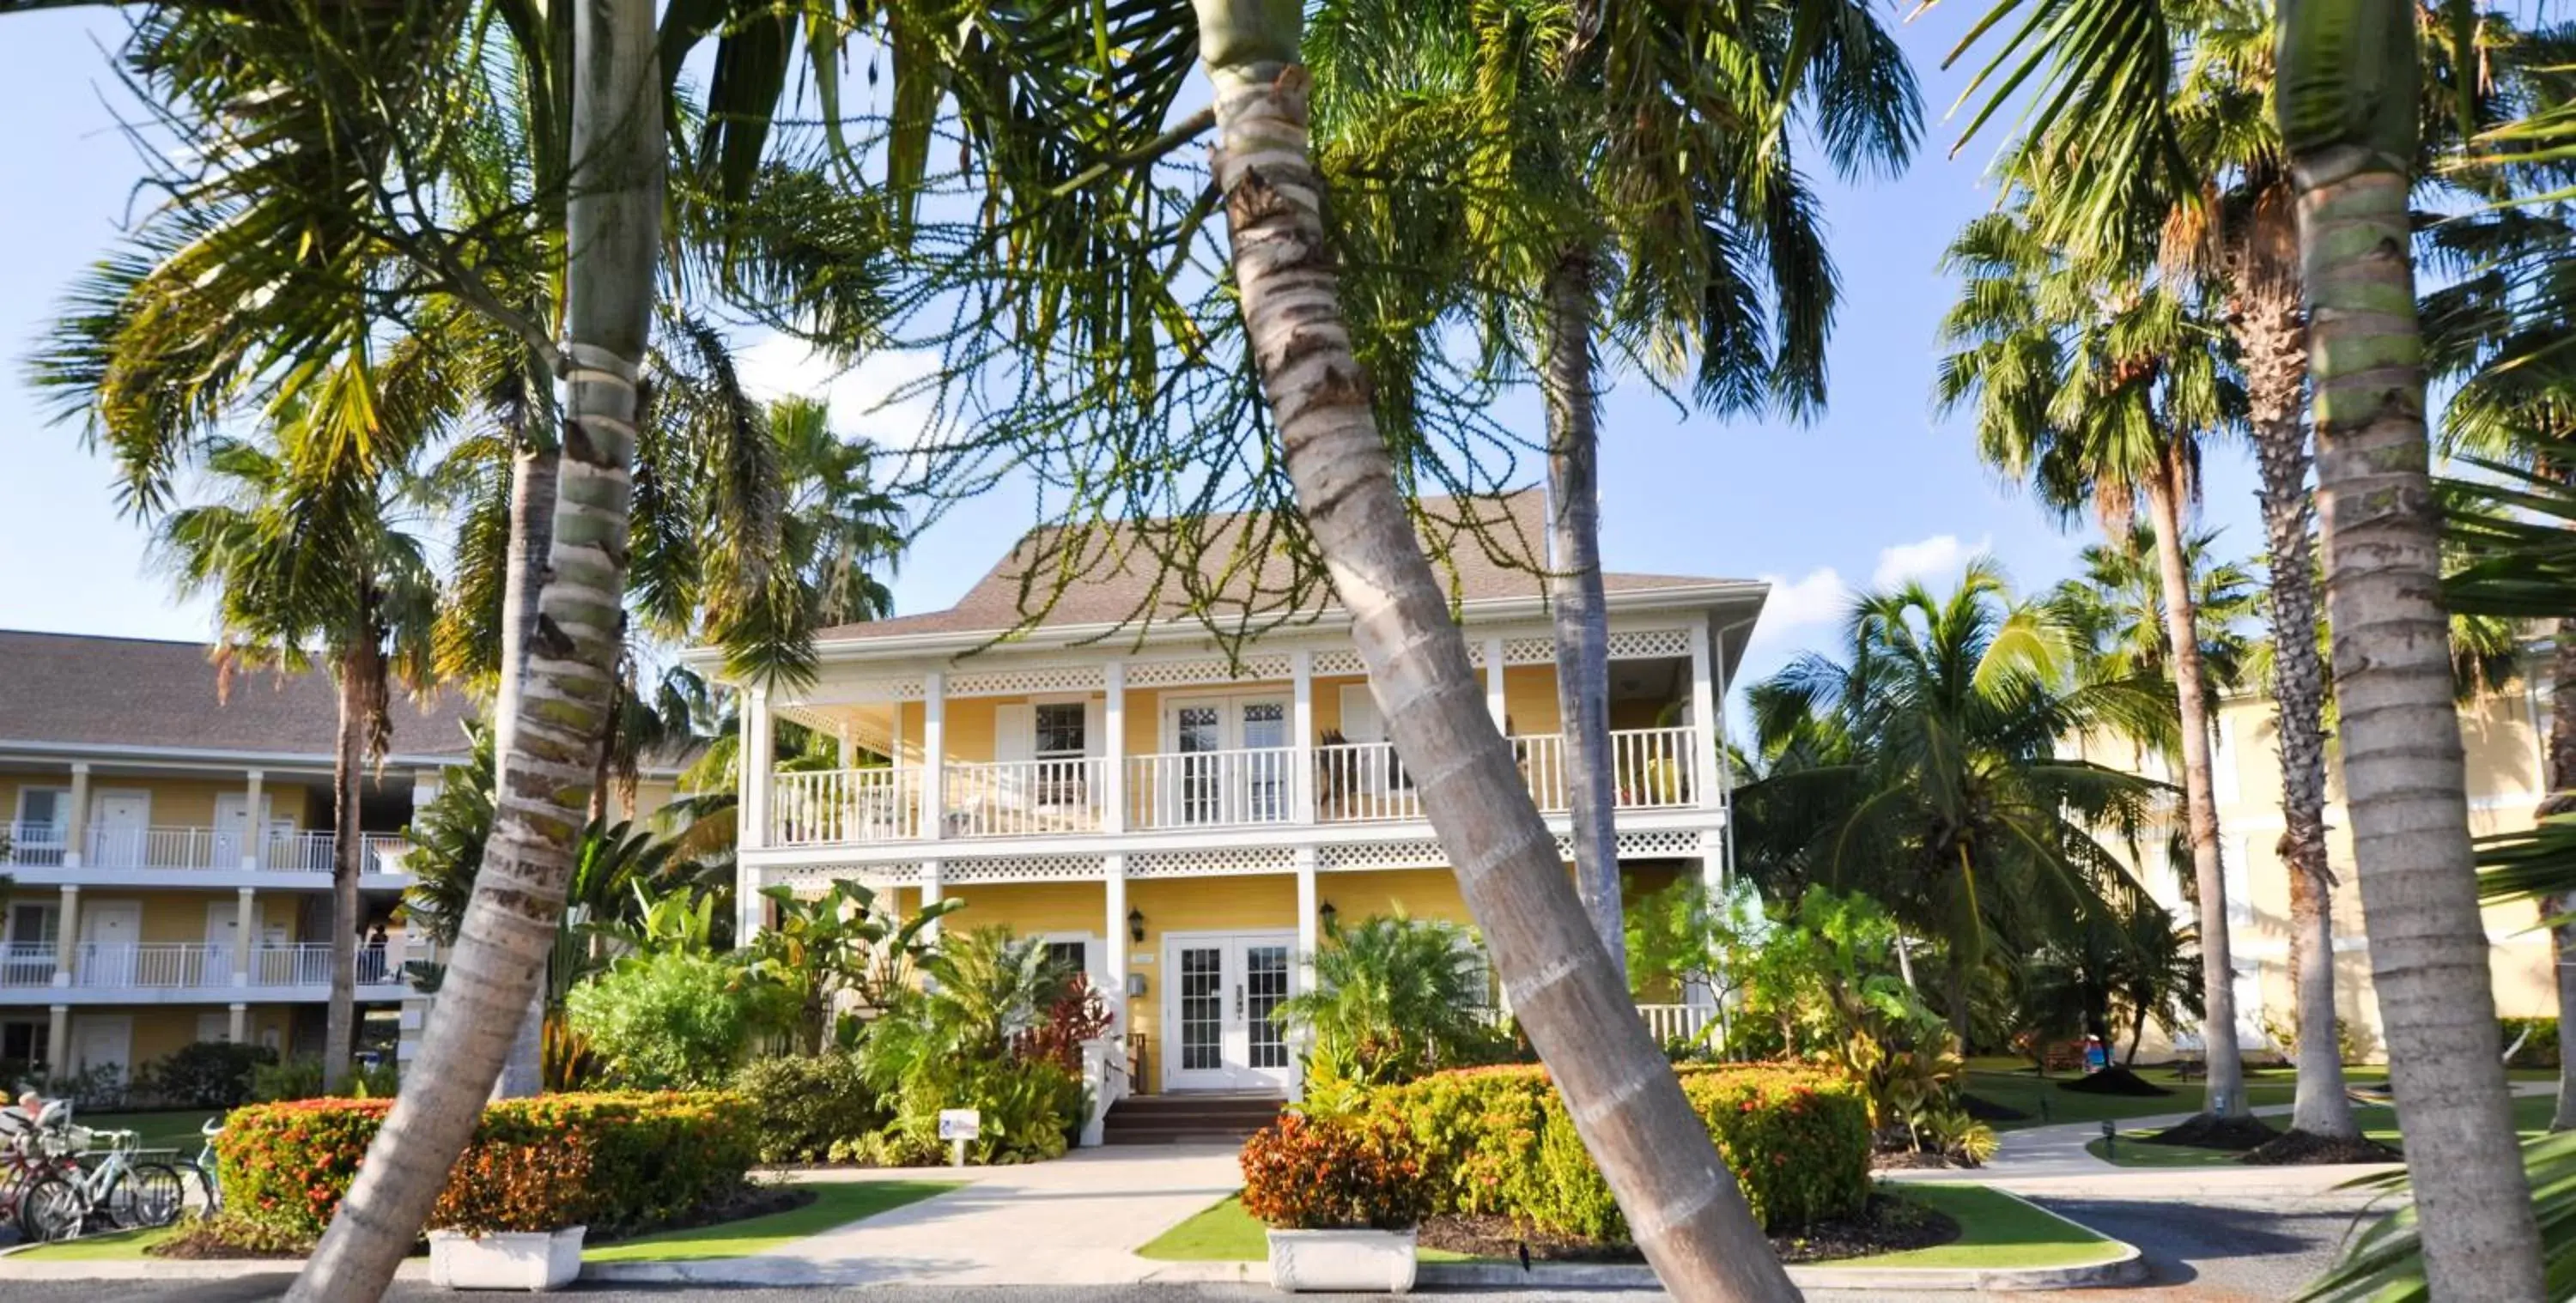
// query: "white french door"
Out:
[1235,759]
[1219,991]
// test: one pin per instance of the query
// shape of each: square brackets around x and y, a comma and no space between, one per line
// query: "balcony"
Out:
[195,966]
[38,845]
[1351,783]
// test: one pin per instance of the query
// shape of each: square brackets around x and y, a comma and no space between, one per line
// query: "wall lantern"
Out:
[1327,913]
[1136,925]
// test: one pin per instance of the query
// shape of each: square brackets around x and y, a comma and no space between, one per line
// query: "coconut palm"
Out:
[1919,766]
[308,553]
[2097,386]
[2114,608]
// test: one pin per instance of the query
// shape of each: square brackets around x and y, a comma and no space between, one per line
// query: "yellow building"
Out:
[2504,734]
[169,848]
[1181,822]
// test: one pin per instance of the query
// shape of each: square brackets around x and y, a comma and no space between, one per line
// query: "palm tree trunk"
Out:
[533,476]
[1682,1202]
[348,766]
[2562,797]
[613,226]
[2348,118]
[1575,598]
[2200,799]
[2274,343]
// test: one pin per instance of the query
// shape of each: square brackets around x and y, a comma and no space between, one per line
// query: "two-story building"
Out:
[169,848]
[1182,821]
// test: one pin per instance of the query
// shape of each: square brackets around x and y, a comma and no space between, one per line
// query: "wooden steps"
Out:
[1188,1118]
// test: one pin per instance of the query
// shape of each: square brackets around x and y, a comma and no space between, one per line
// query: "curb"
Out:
[14,1270]
[2129,1268]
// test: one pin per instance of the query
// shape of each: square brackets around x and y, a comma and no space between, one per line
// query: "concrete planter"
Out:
[1328,1262]
[522,1260]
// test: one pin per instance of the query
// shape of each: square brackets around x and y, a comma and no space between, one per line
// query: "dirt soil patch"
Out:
[2302,1147]
[2208,1131]
[1888,1225]
[2113,1081]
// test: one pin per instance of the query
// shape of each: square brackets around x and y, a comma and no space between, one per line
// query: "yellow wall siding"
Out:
[168,916]
[1030,908]
[175,802]
[1529,699]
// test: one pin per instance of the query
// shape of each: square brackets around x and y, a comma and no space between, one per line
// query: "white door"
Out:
[117,821]
[223,933]
[214,1026]
[1218,996]
[101,1040]
[1236,762]
[109,931]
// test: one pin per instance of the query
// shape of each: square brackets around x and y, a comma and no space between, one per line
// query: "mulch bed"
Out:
[2113,1081]
[1889,1225]
[206,1239]
[1986,1110]
[2208,1131]
[2303,1147]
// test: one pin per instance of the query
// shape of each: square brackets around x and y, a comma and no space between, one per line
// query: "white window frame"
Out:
[51,911]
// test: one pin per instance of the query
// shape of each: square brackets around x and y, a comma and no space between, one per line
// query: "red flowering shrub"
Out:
[1320,1174]
[503,1186]
[1499,1141]
[1076,1016]
[649,1158]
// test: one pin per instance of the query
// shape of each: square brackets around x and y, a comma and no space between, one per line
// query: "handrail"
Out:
[1212,789]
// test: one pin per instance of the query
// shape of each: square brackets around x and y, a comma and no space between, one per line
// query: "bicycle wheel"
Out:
[148,1194]
[199,1197]
[51,1209]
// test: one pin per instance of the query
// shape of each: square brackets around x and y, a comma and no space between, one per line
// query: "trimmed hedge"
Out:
[651,1158]
[1499,1141]
[2539,1049]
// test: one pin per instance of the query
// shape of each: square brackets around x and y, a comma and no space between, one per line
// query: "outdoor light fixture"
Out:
[1136,925]
[1327,913]
[2110,1138]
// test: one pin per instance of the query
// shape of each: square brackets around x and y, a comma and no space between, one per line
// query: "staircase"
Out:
[1188,1118]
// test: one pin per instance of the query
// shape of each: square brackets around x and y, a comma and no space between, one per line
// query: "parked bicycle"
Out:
[118,1193]
[204,1193]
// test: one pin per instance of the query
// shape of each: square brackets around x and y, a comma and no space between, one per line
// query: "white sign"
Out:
[960,1124]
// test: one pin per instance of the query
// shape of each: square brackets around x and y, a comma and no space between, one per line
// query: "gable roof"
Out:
[1489,548]
[77,690]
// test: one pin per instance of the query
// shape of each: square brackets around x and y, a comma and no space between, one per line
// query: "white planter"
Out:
[522,1260]
[1326,1262]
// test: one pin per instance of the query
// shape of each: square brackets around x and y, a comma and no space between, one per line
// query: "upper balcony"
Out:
[47,848]
[193,972]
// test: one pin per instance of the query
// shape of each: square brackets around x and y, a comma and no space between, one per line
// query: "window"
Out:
[22,1042]
[44,818]
[1061,745]
[1071,958]
[31,924]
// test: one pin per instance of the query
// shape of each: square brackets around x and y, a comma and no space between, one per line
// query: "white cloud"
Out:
[1937,559]
[1795,604]
[863,397]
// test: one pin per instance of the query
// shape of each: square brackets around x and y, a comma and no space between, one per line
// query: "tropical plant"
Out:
[1393,998]
[840,943]
[306,551]
[674,1019]
[2113,609]
[957,1041]
[2128,966]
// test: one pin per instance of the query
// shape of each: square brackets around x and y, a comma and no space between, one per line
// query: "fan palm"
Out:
[2098,389]
[2114,608]
[1921,768]
[1392,998]
[306,551]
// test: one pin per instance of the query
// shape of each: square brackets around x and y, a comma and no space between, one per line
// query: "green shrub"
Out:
[2541,1050]
[674,1020]
[207,1074]
[652,1159]
[983,1036]
[799,1109]
[301,1078]
[1499,1141]
[1323,1174]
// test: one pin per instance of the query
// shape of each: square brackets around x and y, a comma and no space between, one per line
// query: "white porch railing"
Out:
[1024,798]
[1355,782]
[1676,1022]
[35,843]
[1212,789]
[27,963]
[304,963]
[206,848]
[160,965]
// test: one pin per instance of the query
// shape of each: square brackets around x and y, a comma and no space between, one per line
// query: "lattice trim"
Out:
[1211,863]
[861,691]
[1340,661]
[1381,855]
[1020,868]
[1529,651]
[1166,674]
[1659,845]
[1649,644]
[814,879]
[1030,678]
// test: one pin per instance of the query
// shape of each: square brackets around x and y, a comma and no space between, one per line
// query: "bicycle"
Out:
[118,1192]
[204,1196]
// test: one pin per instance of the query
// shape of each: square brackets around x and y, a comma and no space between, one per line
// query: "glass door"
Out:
[1219,1030]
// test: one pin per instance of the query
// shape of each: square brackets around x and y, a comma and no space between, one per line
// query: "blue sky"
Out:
[1874,490]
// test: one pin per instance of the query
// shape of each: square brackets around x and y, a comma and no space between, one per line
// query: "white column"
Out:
[1309,936]
[237,1027]
[254,829]
[66,936]
[849,750]
[1113,787]
[76,831]
[1494,704]
[756,774]
[1704,719]
[1113,910]
[934,758]
[1301,722]
[930,896]
[58,1040]
[245,935]
[425,784]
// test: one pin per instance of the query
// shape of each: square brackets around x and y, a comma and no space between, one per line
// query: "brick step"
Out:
[1187,1118]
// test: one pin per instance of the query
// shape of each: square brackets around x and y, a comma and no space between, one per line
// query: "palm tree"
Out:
[2114,608]
[1920,767]
[305,552]
[2098,389]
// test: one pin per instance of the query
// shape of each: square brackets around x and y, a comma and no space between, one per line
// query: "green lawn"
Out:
[98,1248]
[836,1203]
[1996,1230]
[2530,1117]
[174,1129]
[2046,1103]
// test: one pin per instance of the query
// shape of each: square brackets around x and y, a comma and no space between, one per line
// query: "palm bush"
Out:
[956,1043]
[1393,998]
[674,1020]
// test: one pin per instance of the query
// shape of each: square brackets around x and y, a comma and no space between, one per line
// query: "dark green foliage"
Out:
[207,1074]
[801,1110]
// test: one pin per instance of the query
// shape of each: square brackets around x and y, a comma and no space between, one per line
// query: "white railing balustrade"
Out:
[1541,758]
[1361,781]
[306,963]
[1024,798]
[159,848]
[27,963]
[1652,768]
[1212,789]
[35,843]
[217,848]
[163,965]
[1676,1022]
[298,852]
[820,807]
[384,851]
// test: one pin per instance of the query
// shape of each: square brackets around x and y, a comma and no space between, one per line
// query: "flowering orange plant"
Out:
[499,1187]
[1311,1174]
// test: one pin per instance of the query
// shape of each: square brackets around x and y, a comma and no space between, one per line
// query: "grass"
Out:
[2531,1115]
[117,1247]
[836,1203]
[2019,1088]
[173,1129]
[1996,1230]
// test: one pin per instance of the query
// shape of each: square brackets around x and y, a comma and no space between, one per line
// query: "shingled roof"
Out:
[1492,550]
[78,690]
